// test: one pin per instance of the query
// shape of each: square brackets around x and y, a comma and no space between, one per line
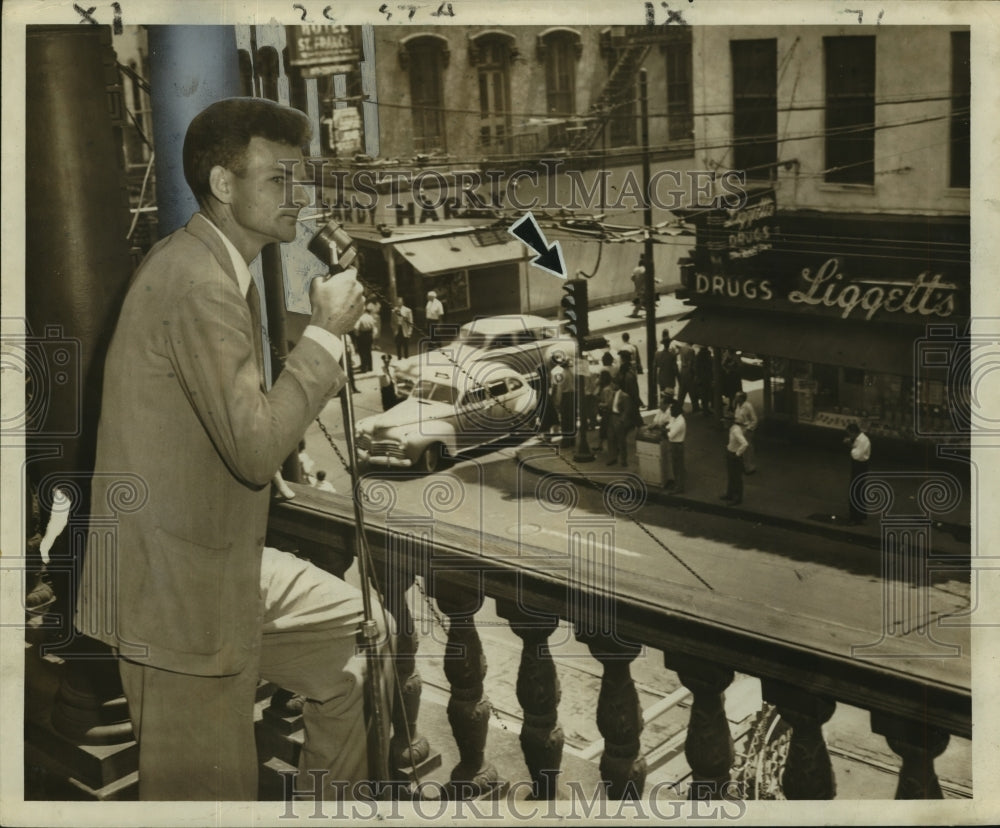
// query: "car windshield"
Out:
[435,392]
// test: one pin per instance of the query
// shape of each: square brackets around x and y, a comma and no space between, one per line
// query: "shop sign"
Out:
[743,232]
[827,287]
[331,49]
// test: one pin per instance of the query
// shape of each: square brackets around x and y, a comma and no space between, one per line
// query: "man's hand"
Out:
[337,301]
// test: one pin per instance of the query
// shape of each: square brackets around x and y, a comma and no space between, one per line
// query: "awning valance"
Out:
[877,348]
[443,254]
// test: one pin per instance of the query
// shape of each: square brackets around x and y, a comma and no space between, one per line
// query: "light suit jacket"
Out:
[187,444]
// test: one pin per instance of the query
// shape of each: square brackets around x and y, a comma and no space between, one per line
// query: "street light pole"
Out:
[647,218]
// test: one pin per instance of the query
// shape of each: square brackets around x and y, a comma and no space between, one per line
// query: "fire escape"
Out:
[617,90]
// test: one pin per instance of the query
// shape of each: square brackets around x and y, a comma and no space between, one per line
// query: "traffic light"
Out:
[574,308]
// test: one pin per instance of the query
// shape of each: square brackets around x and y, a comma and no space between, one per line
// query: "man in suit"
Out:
[197,608]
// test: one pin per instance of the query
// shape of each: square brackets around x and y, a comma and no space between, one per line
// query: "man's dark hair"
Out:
[220,134]
[853,428]
[676,410]
[625,337]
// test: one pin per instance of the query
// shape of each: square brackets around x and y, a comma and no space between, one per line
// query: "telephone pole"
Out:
[647,218]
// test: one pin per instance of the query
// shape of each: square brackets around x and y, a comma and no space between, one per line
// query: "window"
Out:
[492,54]
[755,106]
[560,50]
[850,109]
[960,110]
[425,57]
[680,120]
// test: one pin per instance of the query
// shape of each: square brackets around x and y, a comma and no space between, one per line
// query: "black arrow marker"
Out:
[548,258]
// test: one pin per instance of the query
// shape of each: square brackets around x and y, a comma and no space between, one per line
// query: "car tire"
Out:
[434,458]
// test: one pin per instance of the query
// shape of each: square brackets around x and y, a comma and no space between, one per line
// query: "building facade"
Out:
[847,270]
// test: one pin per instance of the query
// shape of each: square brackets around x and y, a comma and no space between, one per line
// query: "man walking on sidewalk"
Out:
[622,422]
[676,432]
[665,363]
[861,453]
[746,418]
[735,447]
[402,328]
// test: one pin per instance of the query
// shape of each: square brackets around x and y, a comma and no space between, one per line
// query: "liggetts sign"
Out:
[830,291]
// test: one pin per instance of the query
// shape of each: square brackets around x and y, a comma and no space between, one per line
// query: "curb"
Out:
[656,495]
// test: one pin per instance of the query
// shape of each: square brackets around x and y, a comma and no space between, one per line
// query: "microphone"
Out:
[332,246]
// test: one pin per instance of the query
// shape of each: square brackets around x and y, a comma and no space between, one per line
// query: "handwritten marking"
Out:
[444,10]
[86,15]
[301,8]
[326,13]
[384,9]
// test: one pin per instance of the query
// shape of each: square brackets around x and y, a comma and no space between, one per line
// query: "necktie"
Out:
[253,301]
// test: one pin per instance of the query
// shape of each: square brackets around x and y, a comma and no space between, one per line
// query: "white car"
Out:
[451,410]
[522,342]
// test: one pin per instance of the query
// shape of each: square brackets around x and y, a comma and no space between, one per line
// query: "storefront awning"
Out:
[883,349]
[439,255]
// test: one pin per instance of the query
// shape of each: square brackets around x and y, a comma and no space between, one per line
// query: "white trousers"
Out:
[196,733]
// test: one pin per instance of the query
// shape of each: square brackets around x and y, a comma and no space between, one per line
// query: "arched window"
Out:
[426,57]
[560,49]
[491,53]
[268,71]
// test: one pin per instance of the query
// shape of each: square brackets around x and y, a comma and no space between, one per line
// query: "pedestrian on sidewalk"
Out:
[630,382]
[322,484]
[732,381]
[306,463]
[676,432]
[364,336]
[564,395]
[736,444]
[633,349]
[704,379]
[609,363]
[661,424]
[605,397]
[623,414]
[589,367]
[374,309]
[861,452]
[639,283]
[433,312]
[387,383]
[685,374]
[665,364]
[746,418]
[402,328]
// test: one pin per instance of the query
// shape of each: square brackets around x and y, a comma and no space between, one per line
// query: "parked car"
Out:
[451,410]
[522,342]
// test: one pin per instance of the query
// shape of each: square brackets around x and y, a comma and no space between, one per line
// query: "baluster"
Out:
[538,693]
[619,717]
[709,745]
[468,706]
[808,772]
[918,745]
[409,753]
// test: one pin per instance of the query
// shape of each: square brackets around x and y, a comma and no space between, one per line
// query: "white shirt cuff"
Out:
[331,342]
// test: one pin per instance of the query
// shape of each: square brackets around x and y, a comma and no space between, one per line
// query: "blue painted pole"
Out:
[190,67]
